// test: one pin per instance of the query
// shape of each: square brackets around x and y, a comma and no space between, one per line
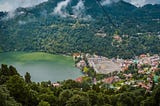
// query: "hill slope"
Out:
[82,26]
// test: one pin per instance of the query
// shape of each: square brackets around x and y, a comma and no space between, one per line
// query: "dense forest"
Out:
[16,90]
[38,29]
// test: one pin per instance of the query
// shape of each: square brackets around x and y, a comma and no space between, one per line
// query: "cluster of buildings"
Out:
[146,65]
[142,60]
[104,65]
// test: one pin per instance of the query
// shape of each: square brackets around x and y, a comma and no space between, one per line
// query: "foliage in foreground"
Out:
[17,91]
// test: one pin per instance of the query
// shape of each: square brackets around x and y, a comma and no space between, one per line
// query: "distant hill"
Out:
[74,26]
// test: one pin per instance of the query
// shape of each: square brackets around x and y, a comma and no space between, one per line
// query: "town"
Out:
[142,71]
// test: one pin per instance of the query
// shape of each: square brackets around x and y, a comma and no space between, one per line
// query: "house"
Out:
[76,55]
[79,79]
[142,56]
[147,87]
[95,81]
[111,80]
[141,72]
[128,76]
[117,38]
[101,34]
[56,85]
[81,64]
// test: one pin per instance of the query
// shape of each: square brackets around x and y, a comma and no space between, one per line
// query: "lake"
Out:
[42,66]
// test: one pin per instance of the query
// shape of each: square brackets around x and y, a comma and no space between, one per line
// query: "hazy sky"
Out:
[11,5]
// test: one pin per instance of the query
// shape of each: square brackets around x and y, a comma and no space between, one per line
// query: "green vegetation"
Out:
[15,91]
[137,27]
[33,56]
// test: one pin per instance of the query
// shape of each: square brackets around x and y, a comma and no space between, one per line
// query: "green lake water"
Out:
[42,66]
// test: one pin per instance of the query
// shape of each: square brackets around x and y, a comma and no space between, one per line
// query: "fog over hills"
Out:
[73,8]
[10,5]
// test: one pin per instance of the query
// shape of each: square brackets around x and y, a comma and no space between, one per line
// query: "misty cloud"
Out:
[60,9]
[11,5]
[138,3]
[22,22]
[106,2]
[79,10]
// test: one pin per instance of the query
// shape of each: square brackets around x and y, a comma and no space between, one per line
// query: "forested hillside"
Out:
[82,26]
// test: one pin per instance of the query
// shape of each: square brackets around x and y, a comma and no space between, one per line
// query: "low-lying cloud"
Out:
[138,3]
[106,2]
[79,10]
[11,5]
[60,9]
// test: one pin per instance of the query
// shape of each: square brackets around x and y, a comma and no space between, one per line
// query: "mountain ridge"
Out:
[39,29]
[122,5]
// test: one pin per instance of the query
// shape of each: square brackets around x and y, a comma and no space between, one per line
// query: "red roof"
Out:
[108,80]
[79,79]
[76,54]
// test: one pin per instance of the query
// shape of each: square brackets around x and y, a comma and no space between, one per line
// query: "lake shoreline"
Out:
[53,67]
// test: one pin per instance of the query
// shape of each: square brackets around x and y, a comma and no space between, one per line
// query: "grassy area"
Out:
[33,56]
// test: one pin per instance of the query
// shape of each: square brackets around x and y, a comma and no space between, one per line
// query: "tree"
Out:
[6,72]
[103,99]
[43,103]
[64,96]
[96,88]
[85,86]
[12,71]
[69,84]
[3,79]
[49,97]
[156,95]
[18,89]
[148,102]
[1,50]
[85,70]
[77,100]
[92,97]
[27,77]
[5,98]
[125,99]
[138,99]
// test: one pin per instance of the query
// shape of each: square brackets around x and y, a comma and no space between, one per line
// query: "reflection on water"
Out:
[54,68]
